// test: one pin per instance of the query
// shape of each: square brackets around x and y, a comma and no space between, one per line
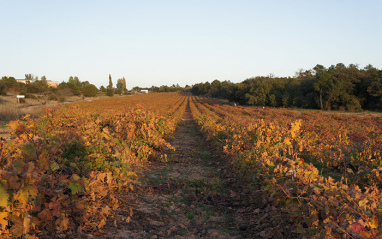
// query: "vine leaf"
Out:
[3,197]
[3,222]
[75,187]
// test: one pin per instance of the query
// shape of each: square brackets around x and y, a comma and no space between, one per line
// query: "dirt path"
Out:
[175,198]
[194,195]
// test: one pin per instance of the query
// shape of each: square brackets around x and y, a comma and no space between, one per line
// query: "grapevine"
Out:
[278,149]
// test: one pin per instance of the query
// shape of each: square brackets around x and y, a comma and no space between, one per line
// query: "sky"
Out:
[166,42]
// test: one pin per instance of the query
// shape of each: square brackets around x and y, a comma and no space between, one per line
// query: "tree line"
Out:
[337,87]
[39,86]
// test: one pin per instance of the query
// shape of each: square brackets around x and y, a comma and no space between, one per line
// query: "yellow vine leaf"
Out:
[3,222]
[365,234]
[106,133]
[75,187]
[109,178]
[27,223]
[75,177]
[374,223]
[63,223]
[105,210]
[102,223]
[13,125]
[295,128]
[131,213]
[3,197]
[22,196]
[54,166]
[26,117]
[363,203]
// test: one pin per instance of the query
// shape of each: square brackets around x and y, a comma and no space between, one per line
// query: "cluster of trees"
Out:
[120,89]
[35,85]
[39,86]
[76,87]
[65,89]
[338,87]
[165,88]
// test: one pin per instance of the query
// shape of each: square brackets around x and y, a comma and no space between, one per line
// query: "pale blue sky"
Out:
[174,41]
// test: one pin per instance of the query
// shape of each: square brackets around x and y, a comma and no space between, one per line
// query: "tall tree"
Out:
[260,88]
[110,83]
[124,84]
[110,90]
[375,88]
[6,83]
[41,85]
[120,84]
[29,77]
[74,85]
[215,88]
[322,83]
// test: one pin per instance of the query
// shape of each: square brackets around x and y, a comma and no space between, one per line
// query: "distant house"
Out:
[24,81]
[145,91]
[52,83]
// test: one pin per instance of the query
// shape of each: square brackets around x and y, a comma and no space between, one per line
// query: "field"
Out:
[172,165]
[10,109]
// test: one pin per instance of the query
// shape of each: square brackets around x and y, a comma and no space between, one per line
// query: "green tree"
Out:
[162,88]
[7,83]
[121,85]
[154,89]
[259,91]
[83,84]
[110,90]
[301,90]
[89,90]
[322,83]
[75,81]
[110,82]
[339,88]
[370,87]
[272,100]
[30,77]
[42,84]
[124,84]
[74,84]
[375,88]
[215,89]
[2,89]
[335,87]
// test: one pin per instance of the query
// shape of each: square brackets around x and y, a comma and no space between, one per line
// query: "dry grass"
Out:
[11,110]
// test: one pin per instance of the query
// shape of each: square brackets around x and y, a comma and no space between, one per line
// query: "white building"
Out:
[24,80]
